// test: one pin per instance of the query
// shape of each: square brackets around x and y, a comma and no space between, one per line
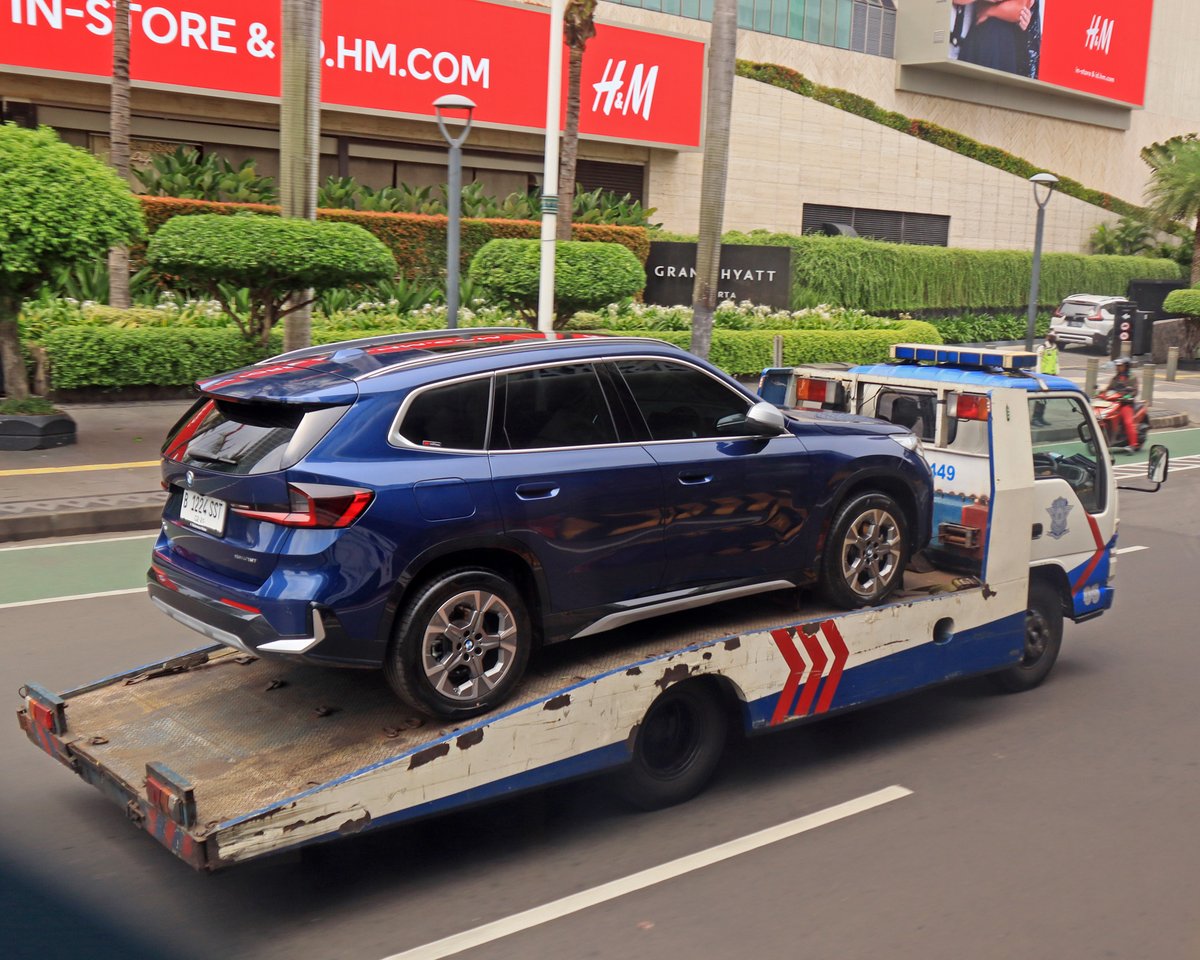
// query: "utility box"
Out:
[1132,326]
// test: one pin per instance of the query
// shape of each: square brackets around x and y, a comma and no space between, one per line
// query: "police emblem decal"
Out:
[1058,510]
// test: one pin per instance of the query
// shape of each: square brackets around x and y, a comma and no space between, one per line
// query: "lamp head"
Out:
[456,101]
[1043,186]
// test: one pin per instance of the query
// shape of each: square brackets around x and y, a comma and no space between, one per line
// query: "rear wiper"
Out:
[208,458]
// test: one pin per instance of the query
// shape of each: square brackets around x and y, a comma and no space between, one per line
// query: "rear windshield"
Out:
[1078,308]
[247,438]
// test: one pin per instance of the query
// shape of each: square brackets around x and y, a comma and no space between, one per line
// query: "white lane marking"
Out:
[78,596]
[1121,550]
[79,543]
[646,878]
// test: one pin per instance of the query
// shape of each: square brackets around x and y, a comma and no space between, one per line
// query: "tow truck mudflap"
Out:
[168,803]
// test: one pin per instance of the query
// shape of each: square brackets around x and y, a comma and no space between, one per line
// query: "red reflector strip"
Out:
[41,714]
[163,578]
[240,606]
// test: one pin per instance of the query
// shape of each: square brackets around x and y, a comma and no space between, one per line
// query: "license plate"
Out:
[1074,323]
[207,513]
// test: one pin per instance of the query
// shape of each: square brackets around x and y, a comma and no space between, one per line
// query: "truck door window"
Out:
[1065,447]
[917,411]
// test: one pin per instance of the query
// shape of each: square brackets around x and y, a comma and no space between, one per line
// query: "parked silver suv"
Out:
[1086,319]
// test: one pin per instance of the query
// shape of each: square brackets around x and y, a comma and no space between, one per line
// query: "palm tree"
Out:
[579,26]
[722,53]
[1174,190]
[299,135]
[118,145]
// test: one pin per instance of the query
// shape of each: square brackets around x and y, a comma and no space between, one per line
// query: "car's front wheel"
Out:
[461,645]
[866,553]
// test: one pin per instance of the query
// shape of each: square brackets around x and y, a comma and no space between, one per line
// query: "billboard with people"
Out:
[1097,47]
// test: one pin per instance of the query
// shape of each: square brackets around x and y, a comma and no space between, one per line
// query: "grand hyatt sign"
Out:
[762,275]
[378,56]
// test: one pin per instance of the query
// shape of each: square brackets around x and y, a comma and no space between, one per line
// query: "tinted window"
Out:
[454,416]
[917,411]
[1064,446]
[678,401]
[246,438]
[560,406]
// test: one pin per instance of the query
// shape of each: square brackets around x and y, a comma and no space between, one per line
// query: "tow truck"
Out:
[223,757]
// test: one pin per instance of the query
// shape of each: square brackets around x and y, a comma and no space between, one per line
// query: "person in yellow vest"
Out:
[1047,353]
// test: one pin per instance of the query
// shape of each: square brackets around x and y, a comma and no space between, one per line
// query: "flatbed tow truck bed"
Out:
[224,757]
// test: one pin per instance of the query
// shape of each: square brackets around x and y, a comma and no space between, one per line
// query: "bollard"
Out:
[1127,349]
[1148,384]
[777,351]
[1089,381]
[1172,363]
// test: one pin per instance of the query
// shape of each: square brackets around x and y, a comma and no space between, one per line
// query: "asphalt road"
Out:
[1054,824]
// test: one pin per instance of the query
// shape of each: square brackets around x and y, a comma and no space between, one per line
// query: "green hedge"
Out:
[744,353]
[113,357]
[1185,302]
[877,276]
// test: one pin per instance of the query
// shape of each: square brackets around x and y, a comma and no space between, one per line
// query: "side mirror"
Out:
[761,420]
[1160,458]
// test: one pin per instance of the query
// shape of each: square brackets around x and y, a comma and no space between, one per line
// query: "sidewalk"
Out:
[109,480]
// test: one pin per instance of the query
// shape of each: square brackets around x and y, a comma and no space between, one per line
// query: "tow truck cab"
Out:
[945,396]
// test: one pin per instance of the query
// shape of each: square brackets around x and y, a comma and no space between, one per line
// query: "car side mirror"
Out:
[1160,458]
[761,420]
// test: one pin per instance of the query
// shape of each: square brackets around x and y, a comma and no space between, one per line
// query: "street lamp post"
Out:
[1043,186]
[453,101]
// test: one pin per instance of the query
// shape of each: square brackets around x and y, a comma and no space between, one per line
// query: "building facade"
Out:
[796,163]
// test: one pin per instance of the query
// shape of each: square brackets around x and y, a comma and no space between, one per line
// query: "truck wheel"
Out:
[461,645]
[866,552]
[1043,640]
[678,745]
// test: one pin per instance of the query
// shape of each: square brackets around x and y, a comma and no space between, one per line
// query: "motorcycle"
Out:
[1107,407]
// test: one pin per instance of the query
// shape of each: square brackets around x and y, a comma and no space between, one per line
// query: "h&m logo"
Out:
[1099,34]
[611,89]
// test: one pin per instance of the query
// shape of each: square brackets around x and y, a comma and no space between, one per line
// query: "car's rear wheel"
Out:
[866,553]
[461,645]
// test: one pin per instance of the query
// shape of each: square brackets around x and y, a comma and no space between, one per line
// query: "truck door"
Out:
[1074,513]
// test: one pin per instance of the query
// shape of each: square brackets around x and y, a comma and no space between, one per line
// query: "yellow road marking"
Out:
[31,471]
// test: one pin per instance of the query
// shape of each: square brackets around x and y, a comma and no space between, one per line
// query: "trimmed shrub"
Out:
[1185,302]
[892,277]
[586,275]
[271,257]
[418,242]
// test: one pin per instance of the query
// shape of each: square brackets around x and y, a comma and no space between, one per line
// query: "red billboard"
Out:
[393,56]
[1093,46]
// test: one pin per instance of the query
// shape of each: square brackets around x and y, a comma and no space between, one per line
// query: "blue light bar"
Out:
[964,356]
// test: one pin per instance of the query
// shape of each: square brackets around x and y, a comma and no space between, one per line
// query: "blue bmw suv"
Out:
[440,504]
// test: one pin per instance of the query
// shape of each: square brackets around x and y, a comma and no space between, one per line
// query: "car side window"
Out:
[558,406]
[453,416]
[678,401]
[1065,447]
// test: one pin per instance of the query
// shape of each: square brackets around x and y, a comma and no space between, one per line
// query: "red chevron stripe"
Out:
[783,640]
[816,654]
[840,655]
[1096,557]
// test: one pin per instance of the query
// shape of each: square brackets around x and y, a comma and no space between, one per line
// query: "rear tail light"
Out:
[1057,313]
[964,406]
[171,794]
[1096,316]
[320,505]
[46,710]
[823,392]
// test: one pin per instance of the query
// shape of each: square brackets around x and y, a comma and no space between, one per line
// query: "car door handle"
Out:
[689,479]
[537,491]
[1037,531]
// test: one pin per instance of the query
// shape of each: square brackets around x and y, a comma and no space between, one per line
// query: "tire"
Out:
[461,645]
[1043,640]
[866,553]
[677,748]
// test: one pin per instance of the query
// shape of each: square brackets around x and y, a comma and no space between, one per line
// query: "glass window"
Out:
[746,14]
[845,17]
[560,406]
[1065,447]
[917,411]
[762,16]
[779,17]
[454,416]
[828,22]
[795,27]
[679,401]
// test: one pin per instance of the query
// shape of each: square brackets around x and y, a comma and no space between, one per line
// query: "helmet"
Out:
[1123,362]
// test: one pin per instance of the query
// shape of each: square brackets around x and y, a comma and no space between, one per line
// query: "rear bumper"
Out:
[244,630]
[1080,335]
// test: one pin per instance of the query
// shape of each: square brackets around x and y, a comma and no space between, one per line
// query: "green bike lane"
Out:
[38,572]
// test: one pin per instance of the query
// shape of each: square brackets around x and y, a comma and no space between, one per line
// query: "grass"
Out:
[29,407]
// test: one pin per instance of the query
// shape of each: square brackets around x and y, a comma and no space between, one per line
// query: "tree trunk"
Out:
[16,379]
[1196,253]
[722,51]
[570,146]
[299,135]
[118,146]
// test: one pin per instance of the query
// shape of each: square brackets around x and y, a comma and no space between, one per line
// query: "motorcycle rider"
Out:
[1125,385]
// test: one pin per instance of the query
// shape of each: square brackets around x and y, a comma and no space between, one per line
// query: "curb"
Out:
[74,523]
